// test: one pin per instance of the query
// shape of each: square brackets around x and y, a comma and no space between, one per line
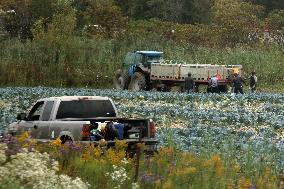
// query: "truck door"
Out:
[37,122]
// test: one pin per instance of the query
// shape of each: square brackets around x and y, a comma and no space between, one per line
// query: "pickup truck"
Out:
[84,119]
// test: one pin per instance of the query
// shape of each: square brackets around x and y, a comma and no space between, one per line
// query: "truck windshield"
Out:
[85,109]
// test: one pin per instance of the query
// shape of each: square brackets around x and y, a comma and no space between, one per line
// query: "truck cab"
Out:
[142,57]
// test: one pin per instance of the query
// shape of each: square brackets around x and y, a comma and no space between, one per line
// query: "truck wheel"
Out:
[121,80]
[65,139]
[138,82]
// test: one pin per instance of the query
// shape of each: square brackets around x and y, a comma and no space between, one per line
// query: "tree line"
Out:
[205,22]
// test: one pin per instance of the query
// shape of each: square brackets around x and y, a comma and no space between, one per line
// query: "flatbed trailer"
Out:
[146,70]
[172,75]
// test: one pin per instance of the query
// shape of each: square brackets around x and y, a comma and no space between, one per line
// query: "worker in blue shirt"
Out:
[214,84]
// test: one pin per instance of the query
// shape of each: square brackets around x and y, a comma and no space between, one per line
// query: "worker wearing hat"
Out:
[214,84]
[253,81]
[238,83]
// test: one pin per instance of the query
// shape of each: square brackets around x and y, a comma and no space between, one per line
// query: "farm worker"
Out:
[189,83]
[219,76]
[253,81]
[214,84]
[238,84]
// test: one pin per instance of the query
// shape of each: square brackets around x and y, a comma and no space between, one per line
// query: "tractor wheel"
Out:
[121,80]
[138,82]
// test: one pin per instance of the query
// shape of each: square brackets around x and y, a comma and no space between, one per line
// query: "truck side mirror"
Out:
[22,116]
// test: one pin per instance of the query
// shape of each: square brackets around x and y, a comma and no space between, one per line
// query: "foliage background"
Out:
[82,42]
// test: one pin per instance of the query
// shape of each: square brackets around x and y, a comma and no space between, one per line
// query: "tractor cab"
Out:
[142,57]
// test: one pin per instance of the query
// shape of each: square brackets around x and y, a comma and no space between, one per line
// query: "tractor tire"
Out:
[121,80]
[138,82]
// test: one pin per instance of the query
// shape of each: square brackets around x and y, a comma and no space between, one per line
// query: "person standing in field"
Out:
[253,82]
[189,83]
[214,84]
[238,84]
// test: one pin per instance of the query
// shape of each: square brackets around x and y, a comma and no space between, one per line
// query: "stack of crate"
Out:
[199,72]
[165,71]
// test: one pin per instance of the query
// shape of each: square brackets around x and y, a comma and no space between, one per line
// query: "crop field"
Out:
[252,123]
[248,129]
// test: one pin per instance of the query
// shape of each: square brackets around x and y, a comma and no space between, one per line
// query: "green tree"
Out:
[202,11]
[235,20]
[81,7]
[179,11]
[55,44]
[18,16]
[105,19]
[167,10]
[275,20]
[269,4]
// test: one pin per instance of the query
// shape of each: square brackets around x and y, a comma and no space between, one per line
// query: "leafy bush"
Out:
[275,20]
[31,169]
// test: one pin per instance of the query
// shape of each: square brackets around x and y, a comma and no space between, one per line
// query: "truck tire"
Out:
[138,82]
[65,139]
[121,80]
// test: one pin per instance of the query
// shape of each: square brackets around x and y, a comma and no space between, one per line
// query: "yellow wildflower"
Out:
[219,170]
[167,185]
[216,158]
[56,143]
[190,170]
[90,147]
[158,183]
[112,156]
[120,144]
[98,152]
[102,142]
[188,157]
[266,172]
[244,183]
[121,154]
[160,162]
[230,186]
[131,161]
[207,163]
[237,168]
[23,137]
[86,156]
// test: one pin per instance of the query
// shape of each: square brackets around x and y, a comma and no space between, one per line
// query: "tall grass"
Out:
[92,62]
